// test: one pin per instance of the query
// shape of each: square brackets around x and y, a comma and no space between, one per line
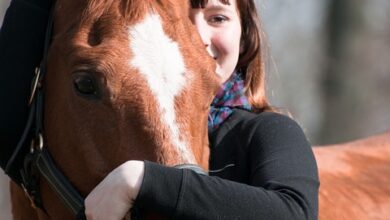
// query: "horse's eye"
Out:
[85,84]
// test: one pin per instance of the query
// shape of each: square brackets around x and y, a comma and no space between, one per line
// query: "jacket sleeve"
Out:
[283,181]
[21,44]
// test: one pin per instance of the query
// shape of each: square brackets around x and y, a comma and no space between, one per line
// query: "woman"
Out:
[261,165]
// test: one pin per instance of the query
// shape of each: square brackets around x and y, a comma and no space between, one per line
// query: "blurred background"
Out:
[329,66]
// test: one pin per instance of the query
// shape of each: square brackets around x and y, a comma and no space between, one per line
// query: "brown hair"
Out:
[251,61]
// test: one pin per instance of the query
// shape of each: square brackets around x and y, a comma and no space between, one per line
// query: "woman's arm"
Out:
[283,180]
[21,44]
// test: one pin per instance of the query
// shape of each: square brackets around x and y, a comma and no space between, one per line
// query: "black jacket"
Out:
[21,45]
[262,167]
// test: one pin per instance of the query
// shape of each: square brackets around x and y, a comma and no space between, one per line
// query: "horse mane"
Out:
[95,12]
[134,9]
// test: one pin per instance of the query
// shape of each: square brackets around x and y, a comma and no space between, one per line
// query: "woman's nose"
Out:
[204,32]
[205,39]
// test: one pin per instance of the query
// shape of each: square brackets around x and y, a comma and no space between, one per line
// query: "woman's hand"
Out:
[115,195]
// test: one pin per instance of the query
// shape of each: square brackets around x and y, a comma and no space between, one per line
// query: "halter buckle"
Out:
[36,143]
[35,84]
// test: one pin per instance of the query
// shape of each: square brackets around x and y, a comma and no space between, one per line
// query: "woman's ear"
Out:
[241,46]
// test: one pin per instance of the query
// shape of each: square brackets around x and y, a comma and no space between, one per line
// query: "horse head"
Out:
[126,79]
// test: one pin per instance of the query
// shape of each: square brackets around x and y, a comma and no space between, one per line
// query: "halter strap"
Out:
[192,167]
[38,161]
[60,184]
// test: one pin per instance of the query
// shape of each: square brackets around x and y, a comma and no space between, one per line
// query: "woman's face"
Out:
[219,26]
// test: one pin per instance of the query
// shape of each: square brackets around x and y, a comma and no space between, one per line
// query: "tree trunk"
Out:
[341,86]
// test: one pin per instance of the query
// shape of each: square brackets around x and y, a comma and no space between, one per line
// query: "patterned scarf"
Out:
[229,96]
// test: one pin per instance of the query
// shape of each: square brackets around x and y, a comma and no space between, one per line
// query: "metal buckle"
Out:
[35,84]
[36,145]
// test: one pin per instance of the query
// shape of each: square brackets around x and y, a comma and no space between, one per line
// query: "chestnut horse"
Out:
[121,76]
[134,73]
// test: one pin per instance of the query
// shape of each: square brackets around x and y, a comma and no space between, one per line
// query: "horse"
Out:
[355,179]
[131,73]
[121,75]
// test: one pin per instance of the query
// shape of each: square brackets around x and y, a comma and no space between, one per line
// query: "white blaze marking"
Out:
[159,60]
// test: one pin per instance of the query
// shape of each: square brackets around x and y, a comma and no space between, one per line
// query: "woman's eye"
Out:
[218,19]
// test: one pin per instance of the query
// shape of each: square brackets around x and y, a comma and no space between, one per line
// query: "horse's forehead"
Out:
[156,55]
[160,62]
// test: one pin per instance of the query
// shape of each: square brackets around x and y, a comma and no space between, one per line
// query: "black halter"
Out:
[38,162]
